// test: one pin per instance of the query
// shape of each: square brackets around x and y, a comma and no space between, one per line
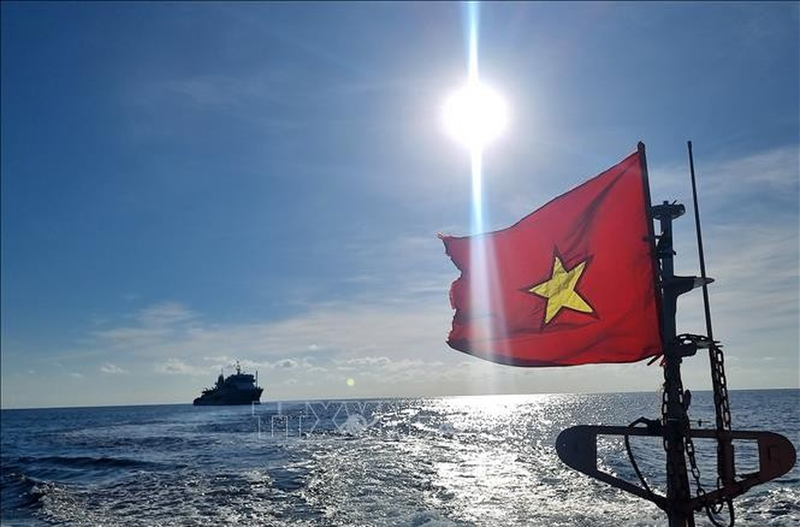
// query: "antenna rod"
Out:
[706,304]
[725,462]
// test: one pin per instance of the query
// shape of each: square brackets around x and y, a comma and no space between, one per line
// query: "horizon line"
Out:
[380,398]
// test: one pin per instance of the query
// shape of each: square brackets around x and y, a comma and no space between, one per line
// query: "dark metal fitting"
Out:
[678,348]
[668,210]
[684,284]
[653,426]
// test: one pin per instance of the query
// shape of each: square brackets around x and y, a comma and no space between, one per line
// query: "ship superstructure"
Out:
[239,388]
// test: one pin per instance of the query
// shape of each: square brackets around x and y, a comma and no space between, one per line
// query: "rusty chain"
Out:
[723,418]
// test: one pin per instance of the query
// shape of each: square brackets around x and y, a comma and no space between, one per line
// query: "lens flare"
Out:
[475,115]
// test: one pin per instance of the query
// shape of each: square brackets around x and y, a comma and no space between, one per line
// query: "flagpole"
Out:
[673,410]
[640,148]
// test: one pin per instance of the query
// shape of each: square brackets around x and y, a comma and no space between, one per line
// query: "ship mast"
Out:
[673,404]
[577,445]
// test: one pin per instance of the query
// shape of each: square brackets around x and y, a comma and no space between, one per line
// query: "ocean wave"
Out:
[20,491]
[88,462]
[458,462]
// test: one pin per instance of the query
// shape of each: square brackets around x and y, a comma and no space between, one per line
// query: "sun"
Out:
[475,115]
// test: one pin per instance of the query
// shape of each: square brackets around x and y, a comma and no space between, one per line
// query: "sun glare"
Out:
[475,115]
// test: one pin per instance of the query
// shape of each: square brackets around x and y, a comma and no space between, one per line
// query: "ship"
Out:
[239,388]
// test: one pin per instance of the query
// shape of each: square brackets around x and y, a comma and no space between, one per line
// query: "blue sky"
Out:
[187,184]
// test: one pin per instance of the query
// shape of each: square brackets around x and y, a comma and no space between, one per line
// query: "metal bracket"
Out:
[684,284]
[577,448]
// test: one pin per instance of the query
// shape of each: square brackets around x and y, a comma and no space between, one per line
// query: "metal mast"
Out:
[673,403]
[577,445]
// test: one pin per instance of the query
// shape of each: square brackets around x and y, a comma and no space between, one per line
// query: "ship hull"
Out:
[229,397]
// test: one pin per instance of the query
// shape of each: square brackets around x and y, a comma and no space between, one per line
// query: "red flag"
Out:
[571,283]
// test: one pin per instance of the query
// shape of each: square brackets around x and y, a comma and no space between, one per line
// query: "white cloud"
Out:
[365,361]
[132,337]
[731,187]
[165,314]
[224,359]
[391,333]
[345,329]
[749,209]
[175,366]
[286,364]
[151,325]
[775,169]
[111,369]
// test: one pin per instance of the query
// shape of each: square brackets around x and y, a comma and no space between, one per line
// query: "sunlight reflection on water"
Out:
[446,461]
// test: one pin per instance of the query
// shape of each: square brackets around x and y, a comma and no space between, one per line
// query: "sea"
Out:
[472,460]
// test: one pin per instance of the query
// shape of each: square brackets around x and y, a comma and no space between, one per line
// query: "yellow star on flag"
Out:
[560,292]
